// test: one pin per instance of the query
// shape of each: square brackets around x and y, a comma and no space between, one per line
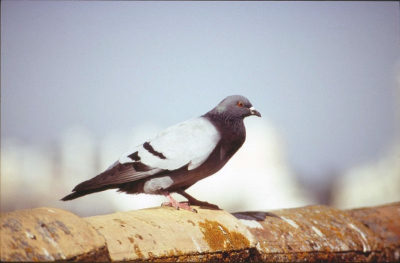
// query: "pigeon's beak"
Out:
[253,111]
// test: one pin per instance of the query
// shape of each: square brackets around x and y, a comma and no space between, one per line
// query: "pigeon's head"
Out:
[236,106]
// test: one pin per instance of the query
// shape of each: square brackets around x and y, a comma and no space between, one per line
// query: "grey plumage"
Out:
[177,157]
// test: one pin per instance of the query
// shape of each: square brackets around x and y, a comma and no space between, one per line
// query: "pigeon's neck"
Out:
[228,122]
[232,130]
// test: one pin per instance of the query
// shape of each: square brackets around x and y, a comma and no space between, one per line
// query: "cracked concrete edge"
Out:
[164,234]
[312,233]
[49,234]
[320,233]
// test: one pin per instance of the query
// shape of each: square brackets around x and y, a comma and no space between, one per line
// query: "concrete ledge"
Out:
[313,233]
[167,234]
[384,222]
[49,234]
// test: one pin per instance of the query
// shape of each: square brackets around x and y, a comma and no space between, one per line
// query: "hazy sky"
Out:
[322,72]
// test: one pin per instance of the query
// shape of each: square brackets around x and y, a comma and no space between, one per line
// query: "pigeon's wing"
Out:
[187,143]
[117,174]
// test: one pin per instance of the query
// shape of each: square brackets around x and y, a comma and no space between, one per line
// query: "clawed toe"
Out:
[167,204]
[180,205]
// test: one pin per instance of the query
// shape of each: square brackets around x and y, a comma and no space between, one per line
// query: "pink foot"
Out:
[181,205]
[177,205]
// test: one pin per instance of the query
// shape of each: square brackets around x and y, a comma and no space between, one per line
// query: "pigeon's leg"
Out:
[194,201]
[173,203]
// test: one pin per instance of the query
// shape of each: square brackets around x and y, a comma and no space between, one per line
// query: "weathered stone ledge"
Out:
[312,233]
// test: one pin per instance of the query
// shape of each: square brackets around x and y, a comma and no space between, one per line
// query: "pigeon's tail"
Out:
[116,176]
[81,193]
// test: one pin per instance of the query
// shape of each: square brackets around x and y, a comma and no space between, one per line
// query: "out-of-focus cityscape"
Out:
[83,82]
[257,178]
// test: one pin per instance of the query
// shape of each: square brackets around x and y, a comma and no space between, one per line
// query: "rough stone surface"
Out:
[319,233]
[49,234]
[313,233]
[384,222]
[166,234]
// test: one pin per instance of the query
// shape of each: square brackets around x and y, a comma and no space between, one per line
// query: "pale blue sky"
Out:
[323,72]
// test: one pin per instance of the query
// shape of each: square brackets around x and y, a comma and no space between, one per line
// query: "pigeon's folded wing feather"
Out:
[116,174]
[188,143]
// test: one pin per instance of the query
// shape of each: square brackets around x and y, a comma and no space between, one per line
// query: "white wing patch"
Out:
[190,142]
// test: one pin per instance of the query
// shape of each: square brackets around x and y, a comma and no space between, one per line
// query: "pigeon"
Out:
[178,156]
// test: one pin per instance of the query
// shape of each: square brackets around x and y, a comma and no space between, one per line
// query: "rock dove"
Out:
[177,157]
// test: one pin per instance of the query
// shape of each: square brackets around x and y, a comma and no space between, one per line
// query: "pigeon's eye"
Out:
[240,104]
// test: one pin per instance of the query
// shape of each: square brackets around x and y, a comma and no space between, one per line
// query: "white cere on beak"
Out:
[253,111]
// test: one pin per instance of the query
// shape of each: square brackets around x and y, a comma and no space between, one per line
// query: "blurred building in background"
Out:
[375,182]
[369,184]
